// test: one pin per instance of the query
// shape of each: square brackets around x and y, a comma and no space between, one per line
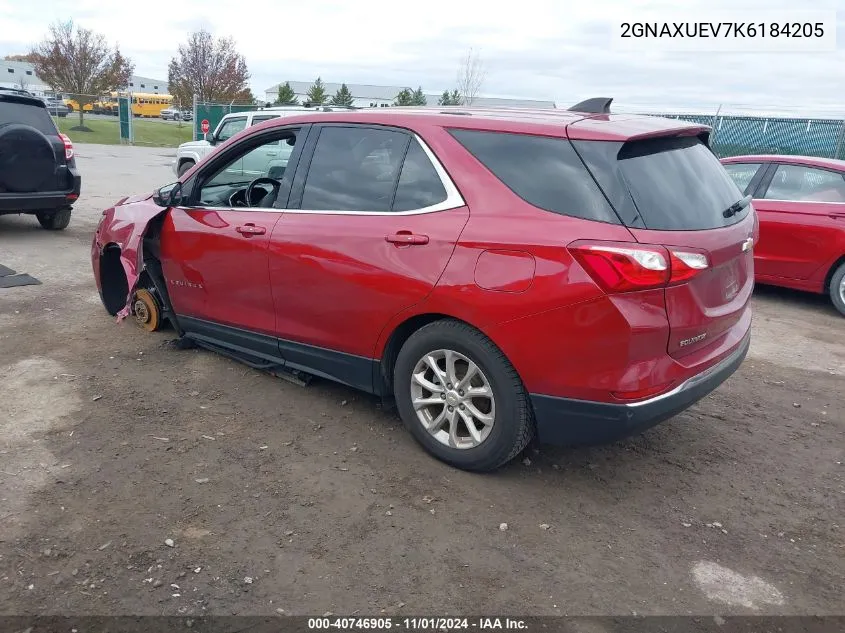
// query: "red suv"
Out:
[499,273]
[801,204]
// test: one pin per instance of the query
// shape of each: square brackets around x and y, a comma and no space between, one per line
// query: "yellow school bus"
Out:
[143,104]
[149,105]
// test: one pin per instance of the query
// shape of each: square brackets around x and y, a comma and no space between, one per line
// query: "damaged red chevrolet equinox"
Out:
[571,274]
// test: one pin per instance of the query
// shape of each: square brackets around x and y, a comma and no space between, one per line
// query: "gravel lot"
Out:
[313,499]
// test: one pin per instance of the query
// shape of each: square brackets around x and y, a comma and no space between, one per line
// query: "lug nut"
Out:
[442,396]
[461,392]
[451,408]
[448,385]
[462,407]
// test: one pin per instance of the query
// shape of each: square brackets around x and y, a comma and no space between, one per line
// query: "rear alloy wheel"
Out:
[461,398]
[837,289]
[54,220]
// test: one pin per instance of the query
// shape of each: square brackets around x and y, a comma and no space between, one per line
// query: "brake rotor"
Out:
[146,310]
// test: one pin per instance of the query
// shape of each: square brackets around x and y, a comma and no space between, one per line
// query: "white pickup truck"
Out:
[190,153]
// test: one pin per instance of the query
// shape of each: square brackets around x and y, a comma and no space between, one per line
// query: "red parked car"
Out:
[801,204]
[499,273]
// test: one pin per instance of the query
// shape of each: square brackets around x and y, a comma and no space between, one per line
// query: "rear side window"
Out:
[742,173]
[419,185]
[545,172]
[31,115]
[354,169]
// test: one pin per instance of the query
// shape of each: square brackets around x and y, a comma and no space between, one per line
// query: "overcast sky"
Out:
[545,49]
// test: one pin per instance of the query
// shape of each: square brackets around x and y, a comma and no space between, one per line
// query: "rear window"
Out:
[27,114]
[545,172]
[664,184]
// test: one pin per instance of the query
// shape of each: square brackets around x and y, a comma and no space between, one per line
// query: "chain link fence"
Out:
[213,112]
[741,133]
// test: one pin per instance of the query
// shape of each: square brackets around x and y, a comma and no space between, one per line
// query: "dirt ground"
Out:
[113,445]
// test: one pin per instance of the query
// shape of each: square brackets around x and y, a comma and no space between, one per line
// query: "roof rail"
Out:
[596,105]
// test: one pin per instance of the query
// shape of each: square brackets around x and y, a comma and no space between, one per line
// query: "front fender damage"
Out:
[130,226]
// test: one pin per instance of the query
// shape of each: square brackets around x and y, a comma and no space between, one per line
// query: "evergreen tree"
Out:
[456,98]
[342,97]
[445,99]
[286,95]
[317,93]
[418,98]
[404,98]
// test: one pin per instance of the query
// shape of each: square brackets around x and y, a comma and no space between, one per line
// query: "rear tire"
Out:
[837,289]
[185,166]
[54,220]
[493,443]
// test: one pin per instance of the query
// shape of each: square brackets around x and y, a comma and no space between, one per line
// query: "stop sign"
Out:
[204,126]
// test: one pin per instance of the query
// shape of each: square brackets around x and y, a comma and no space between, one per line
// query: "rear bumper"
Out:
[31,202]
[567,421]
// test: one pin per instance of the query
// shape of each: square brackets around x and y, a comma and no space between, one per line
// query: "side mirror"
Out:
[209,137]
[169,195]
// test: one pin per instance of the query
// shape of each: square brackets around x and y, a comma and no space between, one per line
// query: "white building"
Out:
[368,96]
[22,75]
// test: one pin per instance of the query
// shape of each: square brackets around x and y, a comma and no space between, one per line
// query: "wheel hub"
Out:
[146,310]
[142,315]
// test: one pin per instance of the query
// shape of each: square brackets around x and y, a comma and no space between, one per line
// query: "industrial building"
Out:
[370,96]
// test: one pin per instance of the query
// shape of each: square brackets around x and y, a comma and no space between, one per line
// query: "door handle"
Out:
[406,237]
[250,229]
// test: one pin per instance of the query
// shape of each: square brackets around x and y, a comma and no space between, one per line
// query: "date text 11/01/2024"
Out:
[422,624]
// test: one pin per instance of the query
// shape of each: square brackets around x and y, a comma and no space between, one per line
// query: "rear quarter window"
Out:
[545,172]
[12,111]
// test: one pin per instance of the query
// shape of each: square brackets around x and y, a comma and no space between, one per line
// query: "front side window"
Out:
[230,127]
[354,169]
[742,173]
[227,186]
[806,184]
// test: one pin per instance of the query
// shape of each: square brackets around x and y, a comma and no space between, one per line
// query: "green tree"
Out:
[342,97]
[445,99]
[418,98]
[404,98]
[286,95]
[317,93]
[456,98]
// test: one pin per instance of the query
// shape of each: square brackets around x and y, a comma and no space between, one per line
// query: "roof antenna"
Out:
[596,105]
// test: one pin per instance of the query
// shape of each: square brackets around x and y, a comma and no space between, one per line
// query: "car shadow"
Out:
[819,303]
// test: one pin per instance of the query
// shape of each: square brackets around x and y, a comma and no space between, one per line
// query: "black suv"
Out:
[37,169]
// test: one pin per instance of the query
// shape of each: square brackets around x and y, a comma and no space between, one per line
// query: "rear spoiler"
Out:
[596,105]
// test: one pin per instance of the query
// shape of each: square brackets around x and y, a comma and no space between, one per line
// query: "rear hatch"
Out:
[26,158]
[670,191]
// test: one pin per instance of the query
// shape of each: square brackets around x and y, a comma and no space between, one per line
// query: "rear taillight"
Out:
[627,267]
[686,264]
[68,146]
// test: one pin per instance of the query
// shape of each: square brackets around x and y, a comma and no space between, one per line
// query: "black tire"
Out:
[27,159]
[185,166]
[837,290]
[513,425]
[54,220]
